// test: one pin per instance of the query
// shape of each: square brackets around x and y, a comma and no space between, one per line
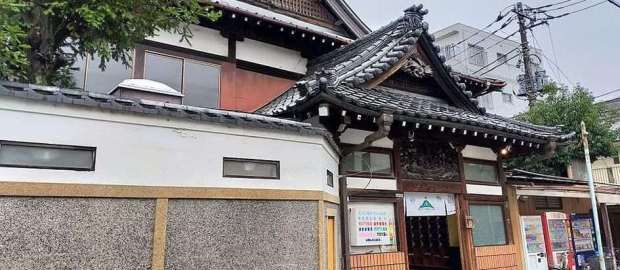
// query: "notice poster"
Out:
[372,227]
[534,238]
[582,233]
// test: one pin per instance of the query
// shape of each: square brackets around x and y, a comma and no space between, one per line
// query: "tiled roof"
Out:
[148,107]
[413,109]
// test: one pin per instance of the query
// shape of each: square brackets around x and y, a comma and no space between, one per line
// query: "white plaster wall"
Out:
[270,55]
[477,152]
[135,149]
[508,72]
[368,183]
[356,136]
[484,190]
[204,39]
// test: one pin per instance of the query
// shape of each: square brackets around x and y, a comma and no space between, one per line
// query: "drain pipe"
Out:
[384,123]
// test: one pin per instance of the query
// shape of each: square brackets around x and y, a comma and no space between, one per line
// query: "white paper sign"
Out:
[372,227]
[429,204]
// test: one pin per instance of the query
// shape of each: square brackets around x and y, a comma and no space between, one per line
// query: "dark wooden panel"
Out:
[431,186]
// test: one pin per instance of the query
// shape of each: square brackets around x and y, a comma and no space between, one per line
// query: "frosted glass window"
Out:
[480,172]
[164,69]
[250,168]
[201,85]
[489,227]
[46,156]
[368,163]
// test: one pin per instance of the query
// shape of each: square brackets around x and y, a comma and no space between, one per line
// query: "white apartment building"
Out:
[470,57]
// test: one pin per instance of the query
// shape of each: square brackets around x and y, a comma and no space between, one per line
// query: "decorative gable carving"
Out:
[425,160]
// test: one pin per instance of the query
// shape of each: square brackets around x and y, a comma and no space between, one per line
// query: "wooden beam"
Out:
[608,236]
[159,235]
[344,224]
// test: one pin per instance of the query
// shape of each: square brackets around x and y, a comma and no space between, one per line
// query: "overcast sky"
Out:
[587,44]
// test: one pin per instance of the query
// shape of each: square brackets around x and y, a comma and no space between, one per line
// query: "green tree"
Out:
[54,33]
[567,108]
[13,48]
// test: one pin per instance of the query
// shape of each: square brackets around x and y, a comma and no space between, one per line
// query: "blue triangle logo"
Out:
[426,205]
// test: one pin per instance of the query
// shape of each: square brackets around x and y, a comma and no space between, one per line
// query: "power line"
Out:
[489,64]
[495,44]
[576,11]
[499,18]
[498,65]
[562,7]
[613,2]
[510,19]
[556,74]
[607,93]
[550,5]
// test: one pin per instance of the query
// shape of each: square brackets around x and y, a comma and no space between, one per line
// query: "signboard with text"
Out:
[372,227]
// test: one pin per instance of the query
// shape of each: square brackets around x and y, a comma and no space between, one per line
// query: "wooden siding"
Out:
[379,261]
[497,257]
[243,90]
[527,207]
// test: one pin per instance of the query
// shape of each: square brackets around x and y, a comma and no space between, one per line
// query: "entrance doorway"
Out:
[429,242]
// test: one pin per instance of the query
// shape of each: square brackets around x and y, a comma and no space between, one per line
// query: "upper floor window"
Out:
[330,178]
[370,164]
[448,51]
[46,156]
[88,75]
[477,55]
[502,58]
[507,98]
[198,81]
[480,171]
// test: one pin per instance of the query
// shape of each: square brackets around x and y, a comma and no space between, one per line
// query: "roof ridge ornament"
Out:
[326,78]
[414,16]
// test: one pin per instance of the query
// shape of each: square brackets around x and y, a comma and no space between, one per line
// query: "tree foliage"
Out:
[567,108]
[54,33]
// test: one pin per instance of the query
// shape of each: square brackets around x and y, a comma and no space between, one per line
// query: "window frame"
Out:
[87,62]
[330,178]
[91,149]
[380,150]
[471,55]
[482,162]
[181,53]
[510,98]
[546,206]
[502,205]
[262,161]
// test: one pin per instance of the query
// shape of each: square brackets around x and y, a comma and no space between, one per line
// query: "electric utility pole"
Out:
[597,227]
[525,51]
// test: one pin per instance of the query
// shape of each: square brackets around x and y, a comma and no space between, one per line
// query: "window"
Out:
[502,58]
[489,227]
[507,98]
[368,163]
[88,76]
[448,51]
[330,179]
[477,55]
[46,156]
[251,168]
[481,172]
[548,203]
[198,81]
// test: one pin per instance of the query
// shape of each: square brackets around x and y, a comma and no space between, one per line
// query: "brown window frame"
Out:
[139,69]
[263,161]
[380,150]
[93,151]
[482,162]
[507,233]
